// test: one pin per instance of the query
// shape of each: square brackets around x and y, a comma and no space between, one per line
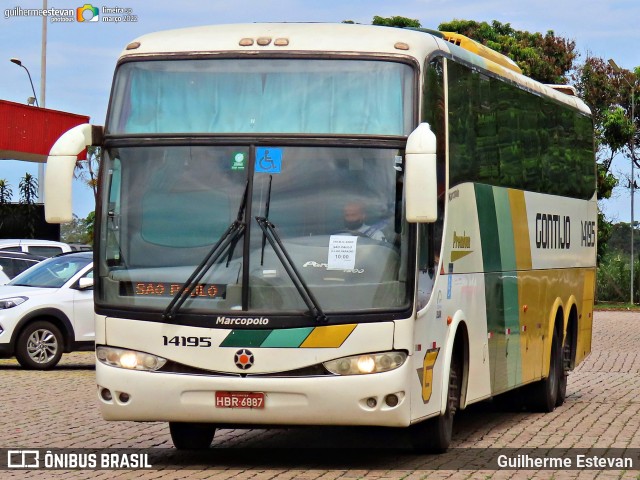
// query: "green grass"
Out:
[616,306]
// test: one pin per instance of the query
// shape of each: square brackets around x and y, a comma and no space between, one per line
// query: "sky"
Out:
[81,56]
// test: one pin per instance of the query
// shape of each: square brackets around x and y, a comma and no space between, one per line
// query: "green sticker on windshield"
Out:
[239,161]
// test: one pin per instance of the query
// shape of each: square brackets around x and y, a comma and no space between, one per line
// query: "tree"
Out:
[73,231]
[78,230]
[5,199]
[546,58]
[87,170]
[608,91]
[89,225]
[28,188]
[400,22]
[5,191]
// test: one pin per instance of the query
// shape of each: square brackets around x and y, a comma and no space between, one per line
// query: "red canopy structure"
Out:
[28,133]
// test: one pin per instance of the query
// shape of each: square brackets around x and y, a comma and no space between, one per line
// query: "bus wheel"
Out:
[434,435]
[564,372]
[544,394]
[192,436]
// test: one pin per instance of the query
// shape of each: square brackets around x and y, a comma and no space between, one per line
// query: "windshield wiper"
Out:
[305,292]
[266,217]
[229,237]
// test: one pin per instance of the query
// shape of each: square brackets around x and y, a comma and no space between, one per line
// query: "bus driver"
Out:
[354,222]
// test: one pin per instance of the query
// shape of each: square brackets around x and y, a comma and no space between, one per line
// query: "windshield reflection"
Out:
[337,212]
[51,273]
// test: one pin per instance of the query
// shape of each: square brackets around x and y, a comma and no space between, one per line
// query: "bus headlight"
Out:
[129,359]
[367,363]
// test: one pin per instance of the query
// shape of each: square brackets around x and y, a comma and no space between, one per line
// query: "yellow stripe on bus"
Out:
[331,336]
[520,229]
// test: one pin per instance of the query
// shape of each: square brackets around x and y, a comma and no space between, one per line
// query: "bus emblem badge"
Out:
[243,359]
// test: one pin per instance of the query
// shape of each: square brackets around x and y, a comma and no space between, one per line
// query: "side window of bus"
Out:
[503,135]
[430,235]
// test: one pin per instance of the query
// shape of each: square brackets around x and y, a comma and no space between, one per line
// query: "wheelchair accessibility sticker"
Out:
[268,160]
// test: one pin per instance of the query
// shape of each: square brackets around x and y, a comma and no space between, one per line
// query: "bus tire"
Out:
[192,436]
[434,435]
[544,394]
[564,372]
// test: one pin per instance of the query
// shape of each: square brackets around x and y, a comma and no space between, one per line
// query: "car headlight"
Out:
[366,363]
[11,302]
[129,359]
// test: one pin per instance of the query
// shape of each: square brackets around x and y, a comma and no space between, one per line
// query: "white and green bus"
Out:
[333,225]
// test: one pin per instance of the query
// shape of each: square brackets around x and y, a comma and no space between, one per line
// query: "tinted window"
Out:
[45,251]
[502,135]
[12,266]
[52,273]
[8,266]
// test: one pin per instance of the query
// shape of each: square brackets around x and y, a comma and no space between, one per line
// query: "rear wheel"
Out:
[434,435]
[564,371]
[39,346]
[192,436]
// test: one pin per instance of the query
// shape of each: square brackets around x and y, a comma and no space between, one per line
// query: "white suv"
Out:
[45,248]
[48,310]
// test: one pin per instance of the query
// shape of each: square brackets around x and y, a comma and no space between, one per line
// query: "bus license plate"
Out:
[239,400]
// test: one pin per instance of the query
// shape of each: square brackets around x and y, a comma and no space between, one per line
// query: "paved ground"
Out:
[57,409]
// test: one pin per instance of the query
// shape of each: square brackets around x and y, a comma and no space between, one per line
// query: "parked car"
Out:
[80,247]
[13,263]
[47,310]
[46,248]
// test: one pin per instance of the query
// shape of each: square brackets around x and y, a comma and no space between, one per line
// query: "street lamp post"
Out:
[633,157]
[43,83]
[19,63]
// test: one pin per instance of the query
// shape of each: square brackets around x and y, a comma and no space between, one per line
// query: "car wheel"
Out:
[39,346]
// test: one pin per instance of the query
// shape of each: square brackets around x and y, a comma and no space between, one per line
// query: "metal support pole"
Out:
[43,83]
[633,161]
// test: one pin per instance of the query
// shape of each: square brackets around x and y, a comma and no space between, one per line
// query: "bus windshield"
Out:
[336,210]
[262,96]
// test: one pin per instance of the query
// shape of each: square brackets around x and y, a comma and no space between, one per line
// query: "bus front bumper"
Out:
[366,400]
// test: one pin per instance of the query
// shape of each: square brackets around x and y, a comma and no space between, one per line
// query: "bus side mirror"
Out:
[61,163]
[420,178]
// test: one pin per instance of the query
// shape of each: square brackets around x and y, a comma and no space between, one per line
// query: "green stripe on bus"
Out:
[505,229]
[494,299]
[511,311]
[287,338]
[501,285]
[245,338]
[485,204]
[512,323]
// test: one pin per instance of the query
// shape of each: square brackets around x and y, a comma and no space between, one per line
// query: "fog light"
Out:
[391,400]
[124,397]
[372,402]
[106,395]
